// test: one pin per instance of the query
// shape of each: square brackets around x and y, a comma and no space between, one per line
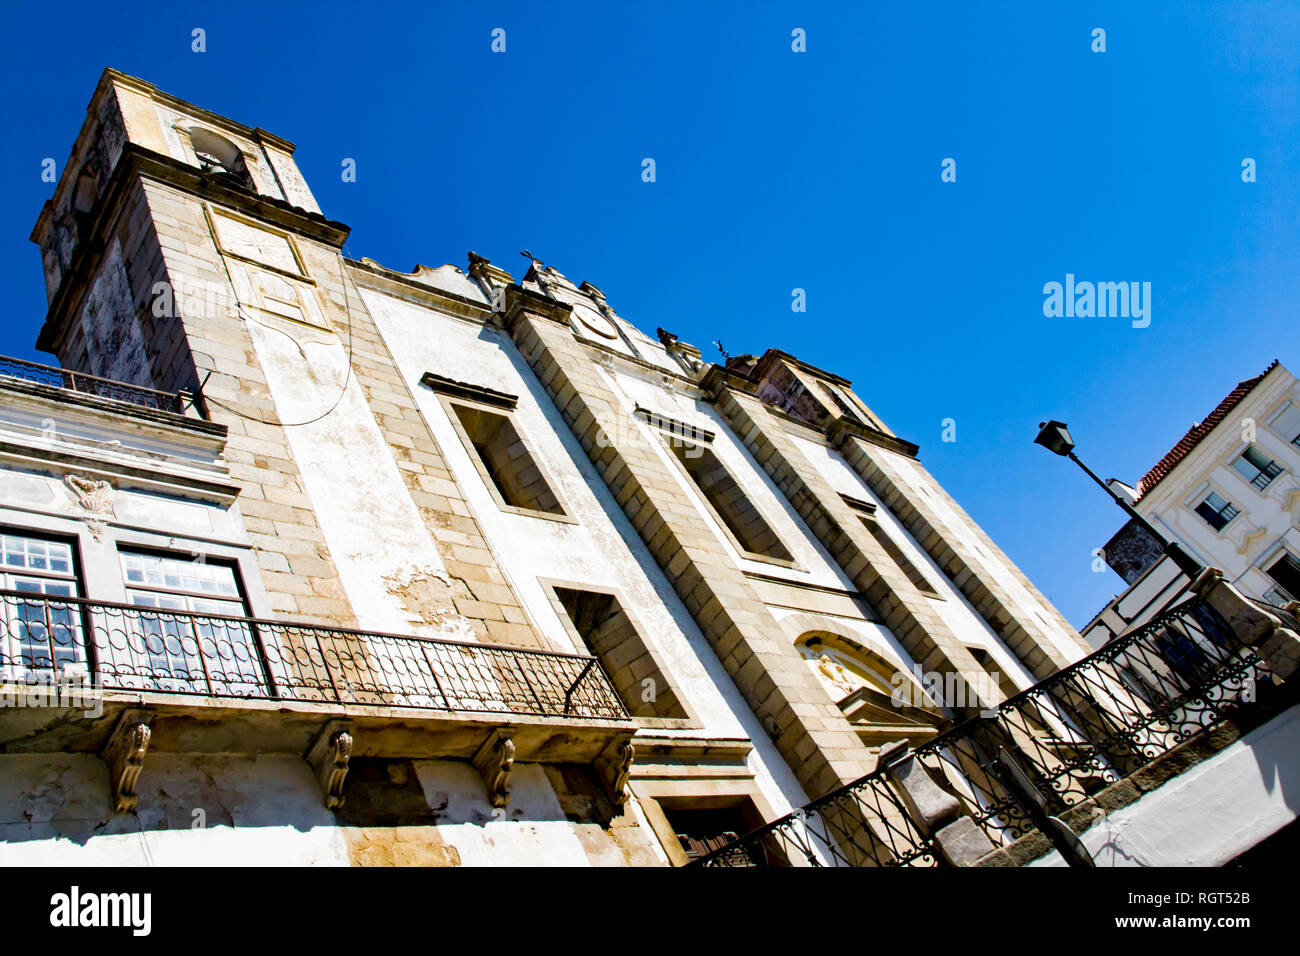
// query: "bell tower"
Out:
[184,251]
[153,186]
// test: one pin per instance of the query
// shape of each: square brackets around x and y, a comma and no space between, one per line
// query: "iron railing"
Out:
[862,824]
[150,649]
[1076,732]
[91,385]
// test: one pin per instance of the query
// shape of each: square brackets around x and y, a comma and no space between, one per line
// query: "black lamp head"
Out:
[1055,437]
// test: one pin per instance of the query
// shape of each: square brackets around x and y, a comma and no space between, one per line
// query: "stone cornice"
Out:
[147,476]
[519,300]
[718,377]
[842,428]
[180,428]
[256,134]
[407,286]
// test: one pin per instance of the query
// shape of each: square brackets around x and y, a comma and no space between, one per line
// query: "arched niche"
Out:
[220,157]
[844,666]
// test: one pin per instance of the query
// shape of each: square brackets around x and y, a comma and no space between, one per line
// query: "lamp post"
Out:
[1055,437]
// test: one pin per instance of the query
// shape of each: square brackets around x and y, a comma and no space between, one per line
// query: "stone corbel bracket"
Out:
[124,753]
[329,757]
[613,767]
[494,761]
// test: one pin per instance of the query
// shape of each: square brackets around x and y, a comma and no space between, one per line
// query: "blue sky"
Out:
[779,170]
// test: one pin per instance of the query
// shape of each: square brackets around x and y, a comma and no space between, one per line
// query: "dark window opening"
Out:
[611,636]
[1256,467]
[728,500]
[899,557]
[703,830]
[505,461]
[221,158]
[1286,572]
[1216,511]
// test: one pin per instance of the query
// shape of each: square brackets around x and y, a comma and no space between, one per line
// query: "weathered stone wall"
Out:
[245,810]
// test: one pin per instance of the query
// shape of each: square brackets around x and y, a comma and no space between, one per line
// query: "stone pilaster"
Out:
[813,736]
[901,607]
[1020,629]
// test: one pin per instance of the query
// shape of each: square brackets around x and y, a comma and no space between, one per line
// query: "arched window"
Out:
[220,157]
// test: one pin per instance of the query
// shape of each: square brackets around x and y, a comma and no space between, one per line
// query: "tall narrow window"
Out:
[899,557]
[194,650]
[612,637]
[1256,467]
[728,500]
[504,461]
[41,635]
[1216,511]
[867,515]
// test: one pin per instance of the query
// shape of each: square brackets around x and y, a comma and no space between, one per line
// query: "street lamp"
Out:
[1055,437]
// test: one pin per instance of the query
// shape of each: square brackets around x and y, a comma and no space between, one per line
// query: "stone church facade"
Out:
[447,567]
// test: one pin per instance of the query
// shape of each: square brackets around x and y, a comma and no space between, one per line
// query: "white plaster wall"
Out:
[375,533]
[1268,515]
[266,810]
[601,549]
[1211,813]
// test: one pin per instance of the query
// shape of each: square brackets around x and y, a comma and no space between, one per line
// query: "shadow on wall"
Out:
[58,800]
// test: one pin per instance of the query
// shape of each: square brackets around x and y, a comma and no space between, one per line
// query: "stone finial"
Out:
[124,754]
[494,761]
[329,757]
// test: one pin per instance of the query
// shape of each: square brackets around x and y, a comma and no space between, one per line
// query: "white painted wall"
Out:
[245,810]
[376,535]
[601,549]
[1208,815]
[1269,518]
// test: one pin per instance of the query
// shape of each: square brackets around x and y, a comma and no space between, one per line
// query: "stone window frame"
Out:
[489,403]
[692,720]
[210,212]
[866,513]
[705,792]
[665,434]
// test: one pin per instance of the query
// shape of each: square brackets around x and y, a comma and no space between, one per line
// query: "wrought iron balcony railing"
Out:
[1076,732]
[133,648]
[91,385]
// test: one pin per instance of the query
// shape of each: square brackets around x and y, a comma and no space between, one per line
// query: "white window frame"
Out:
[39,581]
[162,645]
